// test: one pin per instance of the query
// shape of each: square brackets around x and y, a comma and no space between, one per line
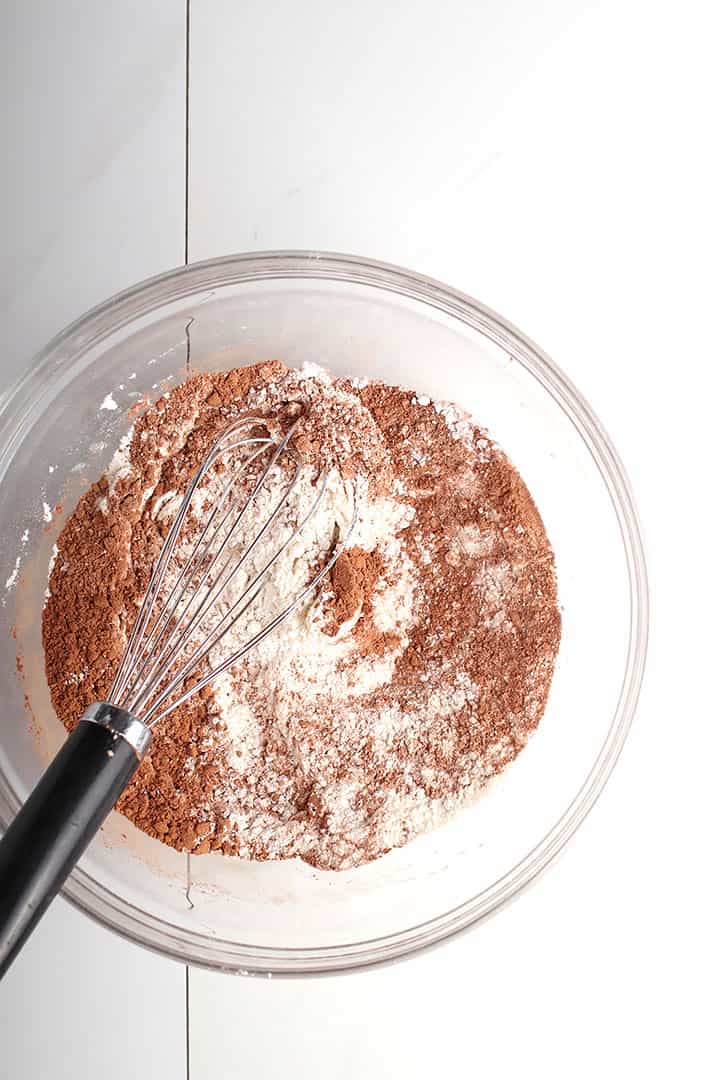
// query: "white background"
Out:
[560,162]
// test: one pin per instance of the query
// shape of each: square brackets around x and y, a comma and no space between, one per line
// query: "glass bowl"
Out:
[58,429]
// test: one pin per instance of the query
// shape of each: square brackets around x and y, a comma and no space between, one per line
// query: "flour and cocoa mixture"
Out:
[416,672]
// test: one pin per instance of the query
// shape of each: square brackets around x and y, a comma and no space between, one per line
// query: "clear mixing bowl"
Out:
[58,429]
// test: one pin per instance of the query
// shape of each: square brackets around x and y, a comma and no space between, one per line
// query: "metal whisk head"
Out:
[181,619]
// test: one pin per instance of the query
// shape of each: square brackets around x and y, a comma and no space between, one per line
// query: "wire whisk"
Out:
[181,619]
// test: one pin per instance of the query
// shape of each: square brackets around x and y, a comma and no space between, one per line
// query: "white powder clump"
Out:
[10,581]
[166,506]
[53,559]
[459,423]
[119,466]
[51,566]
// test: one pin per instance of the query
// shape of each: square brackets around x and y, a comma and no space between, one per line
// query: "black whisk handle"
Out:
[51,831]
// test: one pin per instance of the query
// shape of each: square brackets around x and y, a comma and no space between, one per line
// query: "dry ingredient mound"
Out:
[415,673]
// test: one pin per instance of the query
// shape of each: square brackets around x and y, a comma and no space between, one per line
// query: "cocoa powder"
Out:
[352,583]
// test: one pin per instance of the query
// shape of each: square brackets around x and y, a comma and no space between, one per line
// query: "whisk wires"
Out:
[180,621]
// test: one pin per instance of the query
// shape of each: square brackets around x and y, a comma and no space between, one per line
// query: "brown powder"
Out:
[352,583]
[471,671]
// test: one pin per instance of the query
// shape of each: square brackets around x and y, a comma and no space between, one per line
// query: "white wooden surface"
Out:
[560,162]
[93,197]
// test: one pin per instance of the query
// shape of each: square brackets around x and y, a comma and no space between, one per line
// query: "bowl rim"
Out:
[20,403]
